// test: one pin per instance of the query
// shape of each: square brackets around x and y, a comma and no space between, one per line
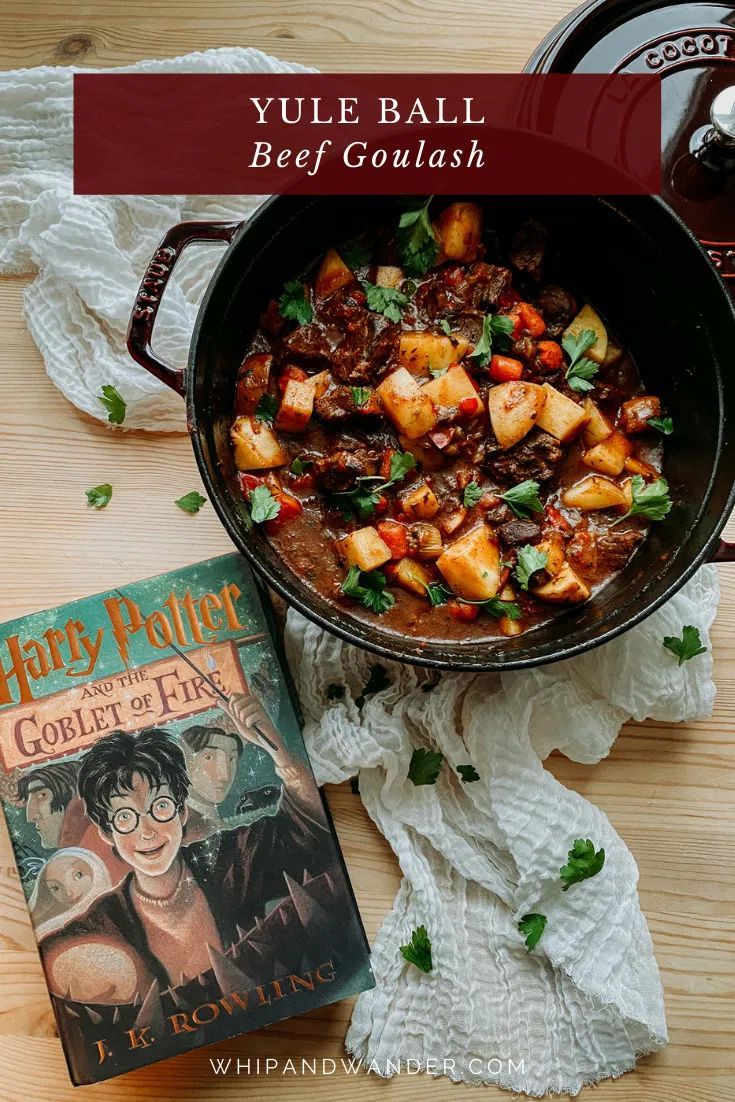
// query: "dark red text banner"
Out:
[388,134]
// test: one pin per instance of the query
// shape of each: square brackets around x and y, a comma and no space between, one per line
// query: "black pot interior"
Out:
[640,267]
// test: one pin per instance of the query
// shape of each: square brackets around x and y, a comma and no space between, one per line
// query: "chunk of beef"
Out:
[385,346]
[615,546]
[536,457]
[520,531]
[484,284]
[556,304]
[336,404]
[528,248]
[308,345]
[338,473]
[349,359]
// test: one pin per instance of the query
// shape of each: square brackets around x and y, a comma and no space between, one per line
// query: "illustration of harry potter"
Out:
[179,900]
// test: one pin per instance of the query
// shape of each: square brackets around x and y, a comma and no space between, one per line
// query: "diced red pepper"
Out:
[462,612]
[441,437]
[550,355]
[527,318]
[290,507]
[395,535]
[453,275]
[385,461]
[303,481]
[468,407]
[381,505]
[359,297]
[504,369]
[508,298]
[248,482]
[291,372]
[558,520]
[488,501]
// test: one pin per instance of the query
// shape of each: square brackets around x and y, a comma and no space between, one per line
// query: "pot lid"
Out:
[691,46]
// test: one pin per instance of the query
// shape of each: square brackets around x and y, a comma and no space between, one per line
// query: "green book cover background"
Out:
[148,737]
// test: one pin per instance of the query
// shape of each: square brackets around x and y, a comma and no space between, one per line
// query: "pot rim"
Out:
[491,663]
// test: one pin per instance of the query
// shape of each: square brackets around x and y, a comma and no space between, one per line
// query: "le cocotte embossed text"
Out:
[182,876]
[347,134]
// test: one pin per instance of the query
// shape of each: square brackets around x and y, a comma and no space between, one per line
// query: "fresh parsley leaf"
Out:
[529,560]
[384,300]
[294,304]
[191,502]
[299,465]
[651,501]
[663,424]
[436,372]
[498,608]
[400,464]
[468,773]
[437,593]
[335,691]
[582,862]
[425,766]
[418,246]
[114,403]
[418,950]
[368,587]
[356,253]
[493,326]
[263,505]
[523,499]
[580,369]
[267,408]
[472,494]
[532,927]
[689,646]
[445,327]
[360,395]
[362,500]
[99,496]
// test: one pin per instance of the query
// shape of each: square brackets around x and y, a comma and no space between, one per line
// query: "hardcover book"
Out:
[184,881]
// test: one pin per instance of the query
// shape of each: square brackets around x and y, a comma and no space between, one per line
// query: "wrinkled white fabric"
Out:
[91,251]
[477,856]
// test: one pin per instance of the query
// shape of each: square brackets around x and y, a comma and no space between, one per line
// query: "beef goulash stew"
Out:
[432,434]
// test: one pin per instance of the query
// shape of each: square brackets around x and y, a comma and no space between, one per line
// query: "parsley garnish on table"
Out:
[523,499]
[191,502]
[468,773]
[532,927]
[368,587]
[528,562]
[294,304]
[99,496]
[263,505]
[418,950]
[494,326]
[114,403]
[384,300]
[266,408]
[664,425]
[425,766]
[580,369]
[686,648]
[583,861]
[651,501]
[417,243]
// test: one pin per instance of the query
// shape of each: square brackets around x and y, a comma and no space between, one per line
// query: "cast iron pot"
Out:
[631,257]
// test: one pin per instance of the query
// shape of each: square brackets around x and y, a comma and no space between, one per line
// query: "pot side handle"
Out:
[152,286]
[723,552]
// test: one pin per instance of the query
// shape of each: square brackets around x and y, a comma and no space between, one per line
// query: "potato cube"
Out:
[451,388]
[613,354]
[515,408]
[459,229]
[296,407]
[552,546]
[363,549]
[321,383]
[333,273]
[639,466]
[594,492]
[387,275]
[412,575]
[635,413]
[420,501]
[411,411]
[561,417]
[509,627]
[255,444]
[598,426]
[609,457]
[587,318]
[252,381]
[418,350]
[471,565]
[566,587]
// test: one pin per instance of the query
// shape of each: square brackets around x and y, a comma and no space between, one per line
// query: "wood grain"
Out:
[667,789]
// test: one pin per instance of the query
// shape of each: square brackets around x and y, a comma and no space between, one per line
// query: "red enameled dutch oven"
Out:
[632,257]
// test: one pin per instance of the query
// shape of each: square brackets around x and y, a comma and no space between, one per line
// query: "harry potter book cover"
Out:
[183,879]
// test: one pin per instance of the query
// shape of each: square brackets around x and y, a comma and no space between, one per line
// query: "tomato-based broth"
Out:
[436,437]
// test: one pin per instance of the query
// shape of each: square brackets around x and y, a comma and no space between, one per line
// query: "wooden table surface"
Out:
[667,789]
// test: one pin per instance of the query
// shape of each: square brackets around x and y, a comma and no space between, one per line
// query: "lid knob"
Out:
[722,114]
